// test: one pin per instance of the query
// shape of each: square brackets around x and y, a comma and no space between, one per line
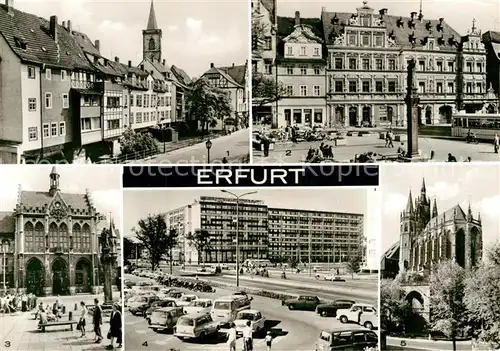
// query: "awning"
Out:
[87,92]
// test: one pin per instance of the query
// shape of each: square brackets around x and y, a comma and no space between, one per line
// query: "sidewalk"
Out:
[20,330]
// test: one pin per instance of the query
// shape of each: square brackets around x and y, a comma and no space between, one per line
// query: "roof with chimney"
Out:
[181,75]
[286,26]
[223,72]
[30,38]
[238,73]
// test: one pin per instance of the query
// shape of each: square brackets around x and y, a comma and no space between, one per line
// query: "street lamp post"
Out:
[208,145]
[4,251]
[238,197]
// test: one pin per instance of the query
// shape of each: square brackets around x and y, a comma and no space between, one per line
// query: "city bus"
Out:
[256,263]
[484,126]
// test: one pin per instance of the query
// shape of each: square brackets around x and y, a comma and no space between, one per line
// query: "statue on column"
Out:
[412,100]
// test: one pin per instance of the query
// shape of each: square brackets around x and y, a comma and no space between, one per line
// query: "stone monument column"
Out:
[412,100]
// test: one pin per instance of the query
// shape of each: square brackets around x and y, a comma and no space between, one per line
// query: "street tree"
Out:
[395,309]
[200,240]
[156,237]
[482,299]
[132,142]
[447,299]
[208,104]
[128,248]
[353,265]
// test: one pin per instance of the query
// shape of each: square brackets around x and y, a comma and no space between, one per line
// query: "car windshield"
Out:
[186,321]
[246,316]
[187,298]
[166,303]
[199,303]
[219,305]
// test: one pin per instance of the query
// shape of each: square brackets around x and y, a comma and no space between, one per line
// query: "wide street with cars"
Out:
[294,325]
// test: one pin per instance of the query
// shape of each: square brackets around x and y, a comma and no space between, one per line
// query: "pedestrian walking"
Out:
[391,139]
[115,327]
[224,160]
[248,337]
[269,341]
[83,318]
[97,321]
[231,337]
[387,139]
[496,143]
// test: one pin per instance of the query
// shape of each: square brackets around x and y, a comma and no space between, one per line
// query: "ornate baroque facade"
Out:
[54,247]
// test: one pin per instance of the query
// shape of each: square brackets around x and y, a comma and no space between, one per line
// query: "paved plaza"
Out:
[289,152]
[19,331]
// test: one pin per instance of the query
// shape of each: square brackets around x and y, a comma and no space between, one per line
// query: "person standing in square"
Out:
[269,341]
[97,321]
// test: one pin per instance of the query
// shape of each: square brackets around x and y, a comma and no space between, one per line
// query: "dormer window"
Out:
[20,43]
[303,51]
[289,51]
[431,45]
[365,21]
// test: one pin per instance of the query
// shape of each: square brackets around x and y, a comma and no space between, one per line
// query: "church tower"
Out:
[54,182]
[422,209]
[406,235]
[151,38]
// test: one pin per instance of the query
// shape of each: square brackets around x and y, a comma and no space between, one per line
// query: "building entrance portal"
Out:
[60,280]
[35,277]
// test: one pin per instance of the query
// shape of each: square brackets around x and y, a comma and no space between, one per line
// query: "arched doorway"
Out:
[416,301]
[367,115]
[490,109]
[83,276]
[353,116]
[35,277]
[60,279]
[339,115]
[460,248]
[428,115]
[446,113]
[390,114]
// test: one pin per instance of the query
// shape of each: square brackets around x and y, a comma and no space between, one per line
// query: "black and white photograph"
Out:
[60,233]
[375,81]
[251,269]
[440,266]
[111,82]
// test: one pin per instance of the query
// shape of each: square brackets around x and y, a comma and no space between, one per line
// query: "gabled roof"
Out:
[181,75]
[215,70]
[286,26]
[43,199]
[7,222]
[29,37]
[238,73]
[456,212]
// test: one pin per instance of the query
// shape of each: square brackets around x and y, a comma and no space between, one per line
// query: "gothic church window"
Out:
[152,45]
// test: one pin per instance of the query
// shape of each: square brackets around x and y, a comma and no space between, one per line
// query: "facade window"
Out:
[366,86]
[62,128]
[451,67]
[353,86]
[139,101]
[48,74]
[379,40]
[352,63]
[268,69]
[479,87]
[289,70]
[316,52]
[303,51]
[338,63]
[479,67]
[366,64]
[451,88]
[297,116]
[318,116]
[421,87]
[378,64]
[439,87]
[114,124]
[132,98]
[352,39]
[365,39]
[33,133]
[468,87]
[421,65]
[289,90]
[139,117]
[63,75]
[303,70]
[307,116]
[392,64]
[316,90]
[46,131]
[289,51]
[391,86]
[317,70]
[146,116]
[379,86]
[31,72]
[268,43]
[32,104]
[53,129]
[303,90]
[339,86]
[365,21]
[65,100]
[48,100]
[469,67]
[439,65]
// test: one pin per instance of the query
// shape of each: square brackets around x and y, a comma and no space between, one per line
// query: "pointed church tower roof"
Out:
[469,213]
[409,205]
[423,191]
[434,209]
[152,18]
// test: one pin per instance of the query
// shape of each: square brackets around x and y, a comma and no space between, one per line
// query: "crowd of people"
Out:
[247,337]
[12,303]
[319,154]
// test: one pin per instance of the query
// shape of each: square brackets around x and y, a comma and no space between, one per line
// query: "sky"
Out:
[138,204]
[457,13]
[104,184]
[450,185]
[195,33]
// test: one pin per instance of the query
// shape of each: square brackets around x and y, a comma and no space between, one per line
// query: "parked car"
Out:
[196,326]
[243,293]
[165,318]
[369,320]
[330,309]
[346,339]
[156,305]
[302,302]
[198,306]
[354,313]
[185,300]
[330,277]
[140,304]
[257,321]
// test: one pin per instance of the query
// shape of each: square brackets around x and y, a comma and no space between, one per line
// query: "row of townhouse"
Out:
[350,69]
[61,99]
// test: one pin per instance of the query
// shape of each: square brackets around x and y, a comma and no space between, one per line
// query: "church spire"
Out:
[54,181]
[435,209]
[423,191]
[469,213]
[409,205]
[152,18]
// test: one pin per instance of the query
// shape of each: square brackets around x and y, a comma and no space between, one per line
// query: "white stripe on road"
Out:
[141,331]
